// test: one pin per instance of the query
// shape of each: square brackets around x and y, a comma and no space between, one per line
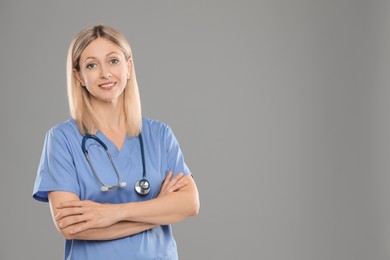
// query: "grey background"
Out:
[281,109]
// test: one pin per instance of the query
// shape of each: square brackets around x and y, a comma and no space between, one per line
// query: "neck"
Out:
[110,115]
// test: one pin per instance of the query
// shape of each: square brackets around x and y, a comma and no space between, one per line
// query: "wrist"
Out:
[122,212]
[116,212]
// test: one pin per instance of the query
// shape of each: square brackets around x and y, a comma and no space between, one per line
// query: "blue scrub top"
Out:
[63,167]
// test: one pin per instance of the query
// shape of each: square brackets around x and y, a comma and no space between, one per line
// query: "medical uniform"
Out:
[63,167]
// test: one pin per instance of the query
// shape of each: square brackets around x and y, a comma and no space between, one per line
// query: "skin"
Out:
[104,72]
[103,62]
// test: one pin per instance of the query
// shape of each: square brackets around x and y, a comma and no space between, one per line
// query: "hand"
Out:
[172,184]
[85,214]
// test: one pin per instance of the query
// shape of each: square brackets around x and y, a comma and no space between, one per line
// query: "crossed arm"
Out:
[88,220]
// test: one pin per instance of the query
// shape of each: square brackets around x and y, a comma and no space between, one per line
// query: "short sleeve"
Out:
[56,170]
[175,158]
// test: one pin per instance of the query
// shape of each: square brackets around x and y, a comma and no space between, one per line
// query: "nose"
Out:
[104,72]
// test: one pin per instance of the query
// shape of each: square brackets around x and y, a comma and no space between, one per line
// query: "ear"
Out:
[79,77]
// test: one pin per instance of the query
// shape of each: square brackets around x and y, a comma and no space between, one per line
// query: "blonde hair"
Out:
[79,98]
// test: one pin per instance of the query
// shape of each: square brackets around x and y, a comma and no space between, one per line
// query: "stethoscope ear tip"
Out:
[106,188]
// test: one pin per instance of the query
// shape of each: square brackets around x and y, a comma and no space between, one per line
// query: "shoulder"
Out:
[152,122]
[153,125]
[64,130]
[156,129]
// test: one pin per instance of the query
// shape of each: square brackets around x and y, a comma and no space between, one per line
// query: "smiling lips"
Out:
[107,85]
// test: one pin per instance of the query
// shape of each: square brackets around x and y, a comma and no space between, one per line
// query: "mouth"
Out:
[107,85]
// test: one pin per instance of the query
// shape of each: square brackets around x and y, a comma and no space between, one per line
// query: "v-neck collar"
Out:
[112,147]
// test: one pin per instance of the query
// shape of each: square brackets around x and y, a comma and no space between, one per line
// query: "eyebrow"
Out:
[91,57]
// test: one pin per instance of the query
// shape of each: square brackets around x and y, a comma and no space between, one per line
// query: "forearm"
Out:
[113,231]
[118,230]
[177,200]
[168,209]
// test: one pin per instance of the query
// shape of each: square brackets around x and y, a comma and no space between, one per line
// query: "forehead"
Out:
[100,48]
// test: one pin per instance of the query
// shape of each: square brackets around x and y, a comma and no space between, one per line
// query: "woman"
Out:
[119,203]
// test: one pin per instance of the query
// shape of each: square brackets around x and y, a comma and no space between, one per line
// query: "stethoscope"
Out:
[142,186]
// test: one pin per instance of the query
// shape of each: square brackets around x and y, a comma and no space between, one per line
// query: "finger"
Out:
[167,180]
[178,176]
[79,228]
[69,212]
[165,183]
[180,184]
[174,181]
[71,221]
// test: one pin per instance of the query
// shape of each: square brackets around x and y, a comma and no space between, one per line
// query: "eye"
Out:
[114,61]
[91,66]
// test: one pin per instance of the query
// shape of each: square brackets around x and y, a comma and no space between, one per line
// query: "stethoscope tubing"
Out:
[141,143]
[139,189]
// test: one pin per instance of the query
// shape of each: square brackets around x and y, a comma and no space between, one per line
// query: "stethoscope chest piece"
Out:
[142,187]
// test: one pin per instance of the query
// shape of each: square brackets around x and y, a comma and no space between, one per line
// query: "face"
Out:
[104,70]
